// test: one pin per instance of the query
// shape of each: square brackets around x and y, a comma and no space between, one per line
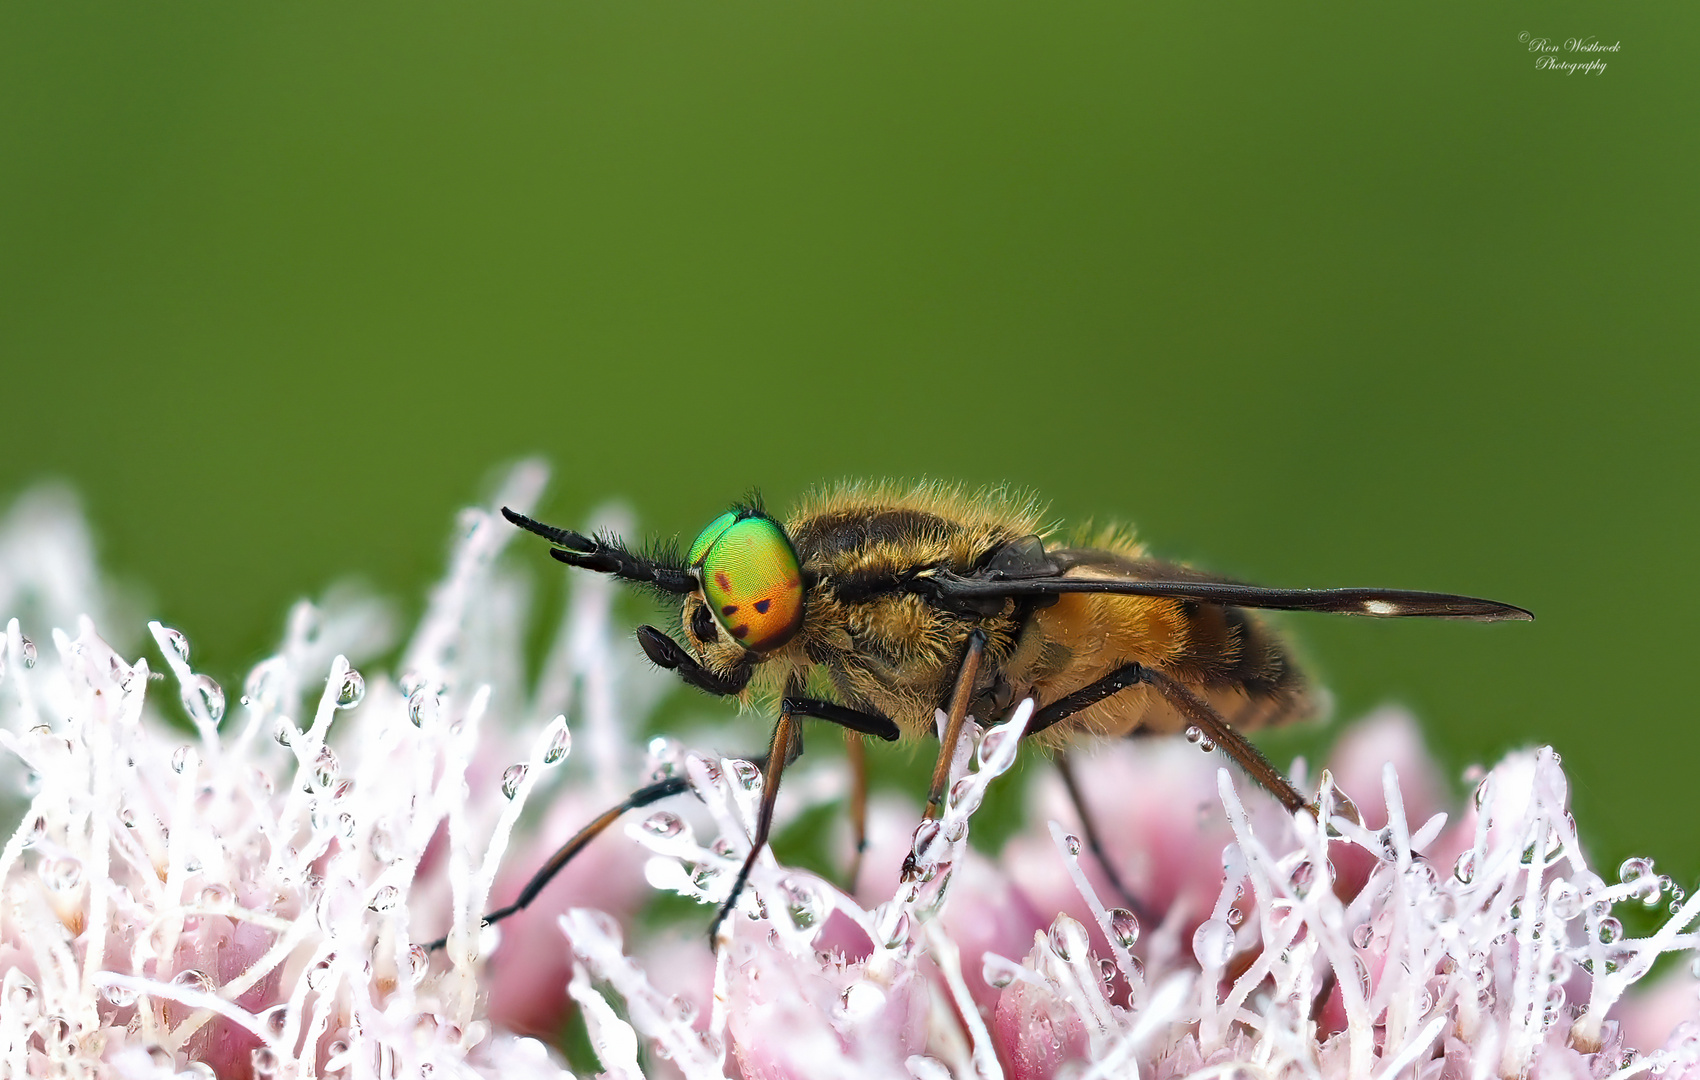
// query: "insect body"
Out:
[896,602]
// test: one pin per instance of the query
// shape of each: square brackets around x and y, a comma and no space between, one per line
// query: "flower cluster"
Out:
[250,895]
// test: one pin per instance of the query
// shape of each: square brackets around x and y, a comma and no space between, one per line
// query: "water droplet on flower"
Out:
[1194,734]
[802,904]
[1072,843]
[326,767]
[1124,927]
[512,778]
[560,742]
[121,996]
[1362,934]
[1213,944]
[664,825]
[385,898]
[747,775]
[966,795]
[1609,930]
[61,875]
[1465,868]
[22,995]
[193,979]
[275,1019]
[214,896]
[352,690]
[418,964]
[204,697]
[176,644]
[37,830]
[898,934]
[319,975]
[422,705]
[1068,939]
[264,1062]
[925,834]
[285,731]
[999,972]
[1235,916]
[955,829]
[27,647]
[1633,870]
[989,754]
[861,1001]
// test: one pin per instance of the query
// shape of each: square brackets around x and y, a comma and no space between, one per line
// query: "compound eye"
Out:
[752,583]
[708,536]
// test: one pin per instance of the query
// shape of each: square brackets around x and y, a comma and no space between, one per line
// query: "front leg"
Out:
[667,653]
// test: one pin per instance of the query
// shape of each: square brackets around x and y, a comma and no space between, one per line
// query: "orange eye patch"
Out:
[751,581]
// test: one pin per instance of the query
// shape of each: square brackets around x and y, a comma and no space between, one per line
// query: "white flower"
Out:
[252,899]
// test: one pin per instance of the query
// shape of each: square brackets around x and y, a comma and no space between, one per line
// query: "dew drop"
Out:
[22,995]
[27,647]
[747,775]
[352,690]
[60,875]
[181,758]
[925,833]
[36,831]
[418,964]
[326,767]
[319,975]
[1124,927]
[1465,868]
[802,904]
[999,972]
[1235,916]
[560,742]
[264,1062]
[862,1000]
[512,778]
[966,795]
[1362,934]
[214,896]
[1634,870]
[1072,843]
[899,931]
[421,706]
[990,754]
[1609,930]
[265,682]
[176,644]
[1067,939]
[193,979]
[385,899]
[1213,944]
[203,696]
[285,731]
[275,1019]
[664,825]
[121,996]
[1194,734]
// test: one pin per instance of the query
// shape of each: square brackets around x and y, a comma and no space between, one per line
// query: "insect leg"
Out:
[655,792]
[777,758]
[1066,768]
[663,651]
[857,752]
[1235,745]
[953,720]
[1190,706]
[866,723]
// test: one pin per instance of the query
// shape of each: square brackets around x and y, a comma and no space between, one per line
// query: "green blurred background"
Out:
[1316,294]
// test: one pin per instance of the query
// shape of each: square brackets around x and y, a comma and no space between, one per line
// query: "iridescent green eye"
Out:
[708,536]
[751,580]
